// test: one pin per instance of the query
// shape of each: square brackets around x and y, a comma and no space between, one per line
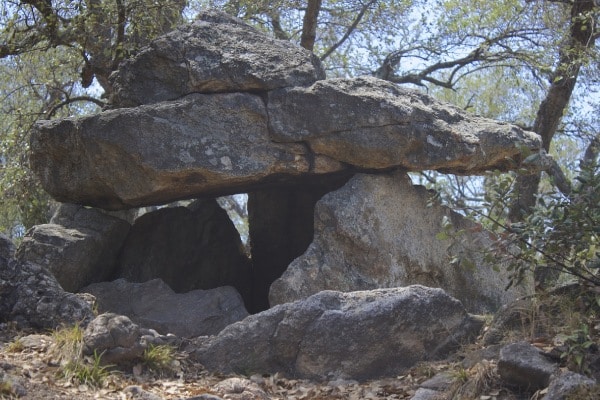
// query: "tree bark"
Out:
[309,24]
[550,112]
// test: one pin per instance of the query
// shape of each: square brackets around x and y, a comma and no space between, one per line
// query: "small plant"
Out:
[87,370]
[6,388]
[67,343]
[159,358]
[68,349]
[460,374]
[16,346]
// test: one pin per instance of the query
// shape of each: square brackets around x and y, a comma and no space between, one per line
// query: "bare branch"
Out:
[71,100]
[349,31]
[276,25]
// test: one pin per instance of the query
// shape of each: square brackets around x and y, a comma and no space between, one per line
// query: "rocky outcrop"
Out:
[79,248]
[377,231]
[216,53]
[193,247]
[570,385]
[359,335]
[153,305]
[7,248]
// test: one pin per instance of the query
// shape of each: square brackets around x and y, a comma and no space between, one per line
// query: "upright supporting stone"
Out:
[281,228]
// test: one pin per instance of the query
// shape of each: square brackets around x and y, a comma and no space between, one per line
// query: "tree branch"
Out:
[70,100]
[349,31]
[276,25]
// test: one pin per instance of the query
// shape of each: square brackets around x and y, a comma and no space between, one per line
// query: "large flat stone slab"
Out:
[226,143]
[372,124]
[154,154]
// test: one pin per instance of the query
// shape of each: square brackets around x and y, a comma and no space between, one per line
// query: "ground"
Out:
[32,365]
[30,362]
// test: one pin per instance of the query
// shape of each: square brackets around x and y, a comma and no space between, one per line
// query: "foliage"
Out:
[561,235]
[67,343]
[578,344]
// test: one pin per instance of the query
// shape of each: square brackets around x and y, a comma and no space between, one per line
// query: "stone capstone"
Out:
[359,335]
[155,154]
[154,305]
[225,143]
[374,124]
[378,231]
[215,53]
[79,248]
[192,247]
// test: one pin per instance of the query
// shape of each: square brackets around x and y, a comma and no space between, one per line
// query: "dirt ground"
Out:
[31,372]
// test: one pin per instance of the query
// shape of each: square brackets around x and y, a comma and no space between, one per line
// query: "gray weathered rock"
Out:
[7,247]
[201,144]
[154,305]
[32,297]
[570,385]
[114,336]
[80,251]
[359,335]
[371,123]
[136,392]
[239,389]
[216,53]
[427,394]
[521,364]
[377,231]
[193,247]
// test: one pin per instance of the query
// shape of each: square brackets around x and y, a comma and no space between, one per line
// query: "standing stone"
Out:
[281,228]
[80,248]
[335,335]
[378,231]
[194,247]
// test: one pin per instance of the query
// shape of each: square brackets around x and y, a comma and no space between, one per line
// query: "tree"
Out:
[50,53]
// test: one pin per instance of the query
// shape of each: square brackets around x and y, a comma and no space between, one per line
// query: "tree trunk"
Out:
[564,78]
[309,24]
